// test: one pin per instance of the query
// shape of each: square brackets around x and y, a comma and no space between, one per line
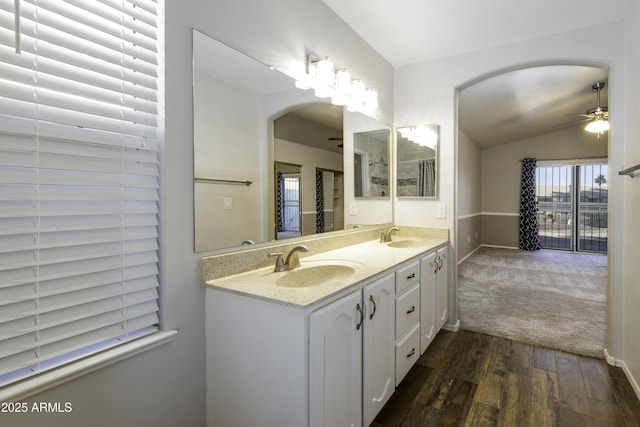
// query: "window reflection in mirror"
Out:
[288,200]
[417,161]
[371,163]
[310,136]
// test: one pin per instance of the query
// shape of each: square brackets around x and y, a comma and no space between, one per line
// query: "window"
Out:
[572,206]
[78,179]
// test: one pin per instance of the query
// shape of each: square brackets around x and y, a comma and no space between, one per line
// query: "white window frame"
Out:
[60,119]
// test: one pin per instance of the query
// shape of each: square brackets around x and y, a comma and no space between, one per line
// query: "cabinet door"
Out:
[428,272]
[441,293]
[335,363]
[378,346]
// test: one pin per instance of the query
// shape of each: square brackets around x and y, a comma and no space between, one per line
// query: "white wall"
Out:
[226,135]
[631,288]
[165,387]
[426,93]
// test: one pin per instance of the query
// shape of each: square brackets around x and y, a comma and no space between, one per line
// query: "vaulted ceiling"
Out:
[508,107]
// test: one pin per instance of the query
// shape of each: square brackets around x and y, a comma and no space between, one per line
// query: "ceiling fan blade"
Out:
[581,115]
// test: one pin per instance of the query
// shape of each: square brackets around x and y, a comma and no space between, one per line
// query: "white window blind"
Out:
[78,179]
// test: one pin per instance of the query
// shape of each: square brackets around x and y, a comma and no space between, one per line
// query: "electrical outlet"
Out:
[442,210]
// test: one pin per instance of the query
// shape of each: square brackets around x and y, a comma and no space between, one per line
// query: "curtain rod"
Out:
[223,181]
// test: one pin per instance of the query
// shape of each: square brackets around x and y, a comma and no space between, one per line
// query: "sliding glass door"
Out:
[592,219]
[572,206]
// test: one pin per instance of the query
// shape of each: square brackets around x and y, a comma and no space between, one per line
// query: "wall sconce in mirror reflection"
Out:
[327,82]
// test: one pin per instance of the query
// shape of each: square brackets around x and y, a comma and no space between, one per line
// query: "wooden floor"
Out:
[473,379]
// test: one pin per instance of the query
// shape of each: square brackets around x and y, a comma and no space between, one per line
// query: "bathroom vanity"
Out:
[325,343]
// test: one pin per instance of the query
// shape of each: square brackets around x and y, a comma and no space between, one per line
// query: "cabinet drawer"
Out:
[407,352]
[407,310]
[406,276]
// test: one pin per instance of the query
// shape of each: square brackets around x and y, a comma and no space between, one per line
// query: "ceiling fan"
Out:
[597,117]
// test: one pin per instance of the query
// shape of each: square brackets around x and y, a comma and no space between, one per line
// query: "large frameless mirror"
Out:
[255,134]
[417,161]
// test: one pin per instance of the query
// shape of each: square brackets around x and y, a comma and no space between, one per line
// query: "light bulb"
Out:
[324,71]
[371,98]
[597,126]
[343,82]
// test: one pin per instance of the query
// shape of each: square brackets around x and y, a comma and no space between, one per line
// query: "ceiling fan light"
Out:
[597,126]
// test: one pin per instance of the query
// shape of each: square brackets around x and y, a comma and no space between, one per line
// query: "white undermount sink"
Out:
[313,273]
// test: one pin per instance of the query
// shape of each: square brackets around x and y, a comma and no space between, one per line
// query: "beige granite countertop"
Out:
[367,259]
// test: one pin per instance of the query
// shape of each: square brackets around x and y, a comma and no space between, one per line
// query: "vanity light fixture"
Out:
[421,135]
[327,82]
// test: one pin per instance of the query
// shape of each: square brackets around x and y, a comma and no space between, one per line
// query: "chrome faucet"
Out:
[292,260]
[385,236]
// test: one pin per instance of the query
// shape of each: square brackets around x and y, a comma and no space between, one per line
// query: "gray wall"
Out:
[489,183]
[469,196]
[500,176]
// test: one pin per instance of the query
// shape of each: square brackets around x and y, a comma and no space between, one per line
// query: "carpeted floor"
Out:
[548,298]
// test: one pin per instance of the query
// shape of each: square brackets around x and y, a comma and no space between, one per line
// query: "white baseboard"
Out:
[469,254]
[453,327]
[620,363]
[501,247]
[631,378]
[610,359]
[486,246]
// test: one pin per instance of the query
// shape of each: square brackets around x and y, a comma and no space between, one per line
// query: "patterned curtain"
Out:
[280,201]
[426,182]
[529,240]
[319,202]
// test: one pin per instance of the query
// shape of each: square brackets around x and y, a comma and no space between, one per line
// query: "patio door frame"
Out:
[575,192]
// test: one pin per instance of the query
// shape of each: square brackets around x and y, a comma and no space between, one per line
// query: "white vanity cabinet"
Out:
[433,295]
[407,331]
[378,358]
[334,361]
[351,356]
[442,311]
